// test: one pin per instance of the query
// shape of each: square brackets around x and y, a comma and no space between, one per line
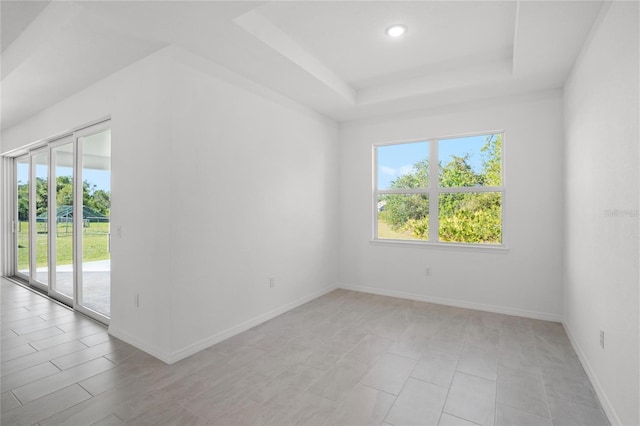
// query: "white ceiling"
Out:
[332,56]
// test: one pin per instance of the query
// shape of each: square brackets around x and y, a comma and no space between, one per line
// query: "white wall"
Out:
[217,185]
[601,213]
[255,181]
[526,279]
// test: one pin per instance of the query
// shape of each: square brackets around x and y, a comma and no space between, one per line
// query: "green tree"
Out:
[102,201]
[23,201]
[408,211]
[42,189]
[96,199]
[64,191]
[492,160]
[473,217]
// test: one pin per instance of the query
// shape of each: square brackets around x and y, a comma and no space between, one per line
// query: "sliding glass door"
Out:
[62,214]
[94,279]
[38,214]
[61,219]
[23,243]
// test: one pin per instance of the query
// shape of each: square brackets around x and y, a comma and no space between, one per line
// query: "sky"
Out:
[100,178]
[397,160]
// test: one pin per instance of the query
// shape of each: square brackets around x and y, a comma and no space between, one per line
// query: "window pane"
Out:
[470,161]
[470,217]
[403,216]
[403,165]
[96,188]
[41,162]
[22,171]
[63,168]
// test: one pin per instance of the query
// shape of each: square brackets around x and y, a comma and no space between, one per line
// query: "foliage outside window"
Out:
[95,201]
[456,199]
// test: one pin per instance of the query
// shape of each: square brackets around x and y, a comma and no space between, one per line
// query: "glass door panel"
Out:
[23,177]
[62,221]
[95,277]
[39,217]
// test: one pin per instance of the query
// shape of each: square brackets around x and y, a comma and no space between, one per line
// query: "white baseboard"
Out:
[143,346]
[453,302]
[170,358]
[602,396]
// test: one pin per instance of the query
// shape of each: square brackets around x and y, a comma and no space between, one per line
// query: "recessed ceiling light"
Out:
[396,30]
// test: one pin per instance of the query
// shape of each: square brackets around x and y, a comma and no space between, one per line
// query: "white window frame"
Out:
[433,191]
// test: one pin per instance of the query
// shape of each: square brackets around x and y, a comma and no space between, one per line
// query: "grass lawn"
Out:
[95,240]
[386,231]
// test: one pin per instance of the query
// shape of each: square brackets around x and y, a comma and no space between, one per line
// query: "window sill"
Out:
[502,249]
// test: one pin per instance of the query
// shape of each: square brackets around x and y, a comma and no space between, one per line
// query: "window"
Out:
[441,190]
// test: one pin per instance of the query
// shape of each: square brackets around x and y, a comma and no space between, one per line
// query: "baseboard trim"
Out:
[143,346]
[602,396]
[170,358]
[453,302]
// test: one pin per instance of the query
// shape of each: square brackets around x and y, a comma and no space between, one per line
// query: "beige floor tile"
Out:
[304,409]
[418,403]
[569,413]
[110,420]
[28,375]
[519,356]
[509,416]
[132,369]
[362,406]
[9,324]
[96,408]
[522,390]
[224,397]
[41,408]
[18,340]
[166,414]
[331,361]
[35,390]
[479,361]
[369,349]
[248,412]
[76,358]
[8,402]
[389,373]
[339,379]
[35,358]
[280,391]
[449,420]
[16,351]
[472,398]
[577,389]
[436,367]
[67,337]
[96,339]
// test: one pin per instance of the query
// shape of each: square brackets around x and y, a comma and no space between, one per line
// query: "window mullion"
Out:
[470,189]
[403,191]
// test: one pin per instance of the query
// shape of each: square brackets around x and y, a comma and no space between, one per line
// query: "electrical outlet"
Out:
[427,271]
[602,339]
[272,282]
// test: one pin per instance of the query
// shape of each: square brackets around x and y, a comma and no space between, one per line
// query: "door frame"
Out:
[29,152]
[78,220]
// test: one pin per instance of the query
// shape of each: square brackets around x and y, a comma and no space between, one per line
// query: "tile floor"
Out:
[343,359]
